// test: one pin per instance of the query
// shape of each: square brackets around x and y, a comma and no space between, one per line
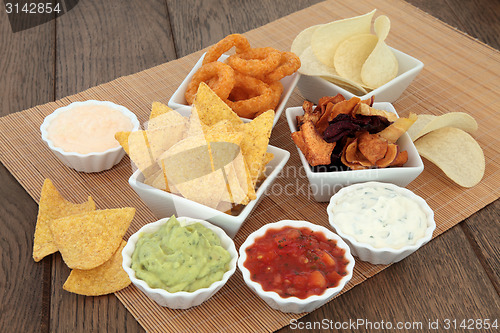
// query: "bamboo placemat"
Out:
[460,74]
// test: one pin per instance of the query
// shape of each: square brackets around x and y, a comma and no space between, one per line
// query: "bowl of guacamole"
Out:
[179,262]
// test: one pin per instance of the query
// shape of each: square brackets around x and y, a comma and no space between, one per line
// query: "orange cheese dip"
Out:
[88,129]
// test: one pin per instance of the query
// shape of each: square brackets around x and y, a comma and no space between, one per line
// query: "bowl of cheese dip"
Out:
[382,223]
[81,134]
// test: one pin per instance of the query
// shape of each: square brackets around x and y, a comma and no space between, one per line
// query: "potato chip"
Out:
[326,38]
[104,279]
[429,123]
[381,66]
[90,239]
[211,109]
[456,153]
[311,66]
[303,40]
[53,206]
[352,54]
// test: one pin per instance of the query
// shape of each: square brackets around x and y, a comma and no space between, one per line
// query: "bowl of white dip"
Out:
[382,223]
[82,134]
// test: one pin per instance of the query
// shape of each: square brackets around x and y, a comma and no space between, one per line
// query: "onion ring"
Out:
[248,108]
[289,64]
[277,90]
[255,62]
[219,77]
[224,45]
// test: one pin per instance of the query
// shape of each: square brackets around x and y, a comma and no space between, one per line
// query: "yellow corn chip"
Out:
[255,141]
[88,240]
[53,206]
[158,109]
[211,109]
[161,117]
[104,279]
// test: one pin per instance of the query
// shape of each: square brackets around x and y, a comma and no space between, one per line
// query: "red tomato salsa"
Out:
[296,262]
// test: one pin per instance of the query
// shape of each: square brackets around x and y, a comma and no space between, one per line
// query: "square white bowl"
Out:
[325,184]
[313,88]
[181,299]
[289,82]
[165,204]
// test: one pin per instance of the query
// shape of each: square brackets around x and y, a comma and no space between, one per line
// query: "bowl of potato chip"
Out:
[203,161]
[347,141]
[250,81]
[344,57]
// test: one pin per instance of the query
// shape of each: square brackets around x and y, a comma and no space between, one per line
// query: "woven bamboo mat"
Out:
[460,74]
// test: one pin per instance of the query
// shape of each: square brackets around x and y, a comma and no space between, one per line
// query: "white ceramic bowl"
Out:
[313,87]
[294,304]
[165,204]
[91,162]
[386,255]
[325,184]
[181,299]
[178,100]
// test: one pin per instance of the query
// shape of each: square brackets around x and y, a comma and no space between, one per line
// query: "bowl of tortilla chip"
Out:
[326,179]
[229,217]
[203,161]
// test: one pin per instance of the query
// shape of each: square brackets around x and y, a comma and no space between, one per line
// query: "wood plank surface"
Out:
[456,276]
[26,80]
[97,42]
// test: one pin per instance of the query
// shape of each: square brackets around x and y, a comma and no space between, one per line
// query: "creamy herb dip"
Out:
[177,258]
[380,216]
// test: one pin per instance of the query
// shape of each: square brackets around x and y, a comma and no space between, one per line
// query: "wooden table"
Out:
[454,277]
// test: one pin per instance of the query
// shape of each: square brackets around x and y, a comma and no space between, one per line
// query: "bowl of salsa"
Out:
[295,266]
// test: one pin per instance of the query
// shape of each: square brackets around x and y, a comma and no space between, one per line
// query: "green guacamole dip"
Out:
[177,258]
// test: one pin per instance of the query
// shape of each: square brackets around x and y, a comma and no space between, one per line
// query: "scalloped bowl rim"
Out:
[46,122]
[153,227]
[329,292]
[431,224]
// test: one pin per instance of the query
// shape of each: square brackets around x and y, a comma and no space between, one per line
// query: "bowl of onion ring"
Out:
[178,99]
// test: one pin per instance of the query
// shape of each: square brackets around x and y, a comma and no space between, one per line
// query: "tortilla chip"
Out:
[163,118]
[158,109]
[211,109]
[104,279]
[255,141]
[88,240]
[53,206]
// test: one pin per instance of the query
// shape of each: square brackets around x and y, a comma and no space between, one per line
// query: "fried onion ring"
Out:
[224,45]
[255,62]
[248,108]
[289,64]
[219,77]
